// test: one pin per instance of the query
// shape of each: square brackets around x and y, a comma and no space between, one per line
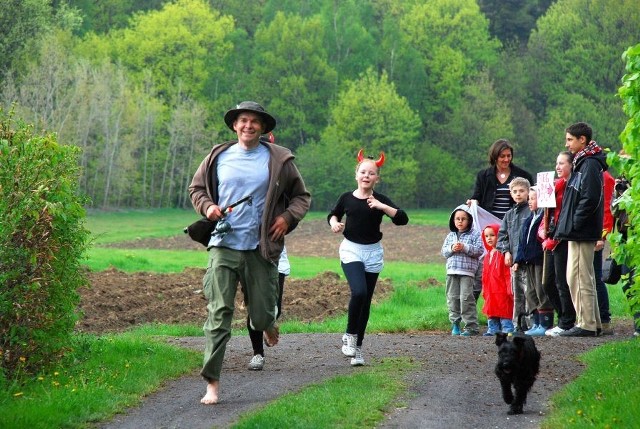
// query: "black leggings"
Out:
[362,285]
[256,336]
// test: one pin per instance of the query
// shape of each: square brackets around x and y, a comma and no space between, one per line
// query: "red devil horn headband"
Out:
[379,162]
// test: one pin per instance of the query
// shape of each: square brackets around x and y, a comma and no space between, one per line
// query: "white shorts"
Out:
[371,255]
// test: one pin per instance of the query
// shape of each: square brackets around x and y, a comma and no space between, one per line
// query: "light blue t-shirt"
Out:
[242,173]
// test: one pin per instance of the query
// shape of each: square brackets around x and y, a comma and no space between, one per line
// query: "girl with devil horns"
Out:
[361,253]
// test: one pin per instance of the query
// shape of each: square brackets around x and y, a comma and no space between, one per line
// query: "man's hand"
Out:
[214,213]
[278,229]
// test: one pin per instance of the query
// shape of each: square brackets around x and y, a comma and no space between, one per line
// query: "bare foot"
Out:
[211,397]
[271,336]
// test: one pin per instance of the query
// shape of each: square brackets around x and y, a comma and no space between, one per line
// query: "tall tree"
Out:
[453,39]
[575,66]
[511,21]
[358,121]
[21,23]
[292,77]
[348,36]
[107,15]
[182,45]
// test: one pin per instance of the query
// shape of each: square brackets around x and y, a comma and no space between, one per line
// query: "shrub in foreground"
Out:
[42,241]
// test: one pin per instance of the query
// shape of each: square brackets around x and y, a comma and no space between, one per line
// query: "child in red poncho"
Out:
[496,285]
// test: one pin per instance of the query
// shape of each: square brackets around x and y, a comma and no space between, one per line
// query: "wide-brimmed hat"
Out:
[250,106]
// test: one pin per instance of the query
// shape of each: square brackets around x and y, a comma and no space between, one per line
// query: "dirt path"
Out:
[454,387]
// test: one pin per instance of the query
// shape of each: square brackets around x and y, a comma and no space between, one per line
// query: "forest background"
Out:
[141,86]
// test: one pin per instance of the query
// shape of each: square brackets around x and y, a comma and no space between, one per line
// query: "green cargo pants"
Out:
[259,280]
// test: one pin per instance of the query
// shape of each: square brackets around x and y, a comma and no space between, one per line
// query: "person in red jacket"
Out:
[496,285]
[556,269]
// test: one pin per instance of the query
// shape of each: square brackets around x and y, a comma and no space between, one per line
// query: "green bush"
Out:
[628,251]
[42,242]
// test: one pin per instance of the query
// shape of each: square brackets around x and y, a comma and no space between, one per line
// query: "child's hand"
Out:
[514,267]
[457,247]
[374,204]
[337,227]
[507,259]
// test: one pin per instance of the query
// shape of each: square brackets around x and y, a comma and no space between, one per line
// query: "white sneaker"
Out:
[349,345]
[554,332]
[357,359]
[257,363]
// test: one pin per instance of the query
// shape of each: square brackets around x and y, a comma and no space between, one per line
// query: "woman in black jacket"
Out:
[491,190]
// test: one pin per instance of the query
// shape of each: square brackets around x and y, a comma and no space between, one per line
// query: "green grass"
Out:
[337,402]
[104,375]
[149,260]
[605,395]
[431,217]
[129,225]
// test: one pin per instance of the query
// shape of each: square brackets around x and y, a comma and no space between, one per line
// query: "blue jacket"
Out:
[530,249]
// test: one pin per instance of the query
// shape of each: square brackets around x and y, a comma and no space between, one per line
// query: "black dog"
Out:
[518,365]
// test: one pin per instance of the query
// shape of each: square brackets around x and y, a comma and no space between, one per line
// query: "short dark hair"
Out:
[580,129]
[497,147]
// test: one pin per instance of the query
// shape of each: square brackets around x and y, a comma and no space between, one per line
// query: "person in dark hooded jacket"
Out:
[580,224]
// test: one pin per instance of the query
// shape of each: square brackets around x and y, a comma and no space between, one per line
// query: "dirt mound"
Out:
[117,301]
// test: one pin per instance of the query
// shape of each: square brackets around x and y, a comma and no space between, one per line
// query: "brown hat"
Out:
[250,106]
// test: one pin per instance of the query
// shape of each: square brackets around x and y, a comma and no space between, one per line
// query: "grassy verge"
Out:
[337,402]
[605,395]
[100,377]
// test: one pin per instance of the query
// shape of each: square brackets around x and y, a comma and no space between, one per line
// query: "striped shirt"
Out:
[502,202]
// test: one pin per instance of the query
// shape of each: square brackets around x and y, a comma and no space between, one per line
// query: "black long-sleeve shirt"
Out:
[362,225]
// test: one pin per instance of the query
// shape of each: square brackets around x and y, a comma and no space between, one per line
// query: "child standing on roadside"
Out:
[462,247]
[509,240]
[361,253]
[530,259]
[496,285]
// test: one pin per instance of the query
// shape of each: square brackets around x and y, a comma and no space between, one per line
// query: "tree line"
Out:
[141,86]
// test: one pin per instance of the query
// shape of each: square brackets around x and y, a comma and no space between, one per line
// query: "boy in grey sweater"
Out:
[508,242]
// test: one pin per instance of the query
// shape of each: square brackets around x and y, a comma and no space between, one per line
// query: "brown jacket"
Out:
[287,195]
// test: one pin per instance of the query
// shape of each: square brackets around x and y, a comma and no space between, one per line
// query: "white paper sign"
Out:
[546,189]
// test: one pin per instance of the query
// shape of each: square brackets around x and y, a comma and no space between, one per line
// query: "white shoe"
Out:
[349,345]
[257,363]
[554,332]
[357,359]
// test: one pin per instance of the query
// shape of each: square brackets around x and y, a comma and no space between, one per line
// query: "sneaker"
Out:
[554,332]
[489,334]
[536,331]
[578,332]
[257,363]
[469,332]
[455,329]
[357,359]
[349,345]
